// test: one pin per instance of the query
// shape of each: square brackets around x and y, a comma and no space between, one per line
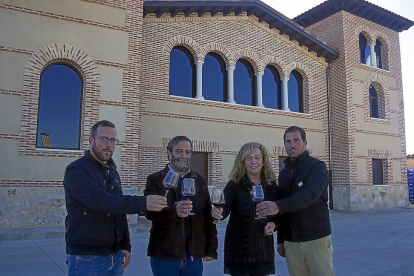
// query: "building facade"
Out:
[222,73]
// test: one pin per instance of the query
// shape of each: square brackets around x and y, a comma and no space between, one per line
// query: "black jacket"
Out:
[167,231]
[96,223]
[304,207]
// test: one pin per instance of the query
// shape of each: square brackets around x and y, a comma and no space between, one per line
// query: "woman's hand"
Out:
[216,212]
[270,228]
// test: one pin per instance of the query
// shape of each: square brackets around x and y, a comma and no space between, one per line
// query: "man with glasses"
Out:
[304,235]
[97,236]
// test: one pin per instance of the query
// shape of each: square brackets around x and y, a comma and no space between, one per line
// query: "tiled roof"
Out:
[359,8]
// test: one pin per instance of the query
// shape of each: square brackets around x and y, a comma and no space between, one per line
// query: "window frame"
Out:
[252,76]
[222,64]
[79,138]
[363,45]
[371,99]
[191,59]
[378,53]
[378,174]
[278,82]
[299,79]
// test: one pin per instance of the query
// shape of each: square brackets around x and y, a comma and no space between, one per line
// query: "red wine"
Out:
[169,186]
[218,204]
[188,196]
[257,199]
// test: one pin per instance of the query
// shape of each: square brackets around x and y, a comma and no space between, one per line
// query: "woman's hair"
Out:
[238,170]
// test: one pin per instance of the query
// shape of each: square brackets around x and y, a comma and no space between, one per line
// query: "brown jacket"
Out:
[167,231]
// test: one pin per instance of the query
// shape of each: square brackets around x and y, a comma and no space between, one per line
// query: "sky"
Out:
[404,8]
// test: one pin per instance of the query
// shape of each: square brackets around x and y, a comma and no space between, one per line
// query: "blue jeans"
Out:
[187,267]
[91,265]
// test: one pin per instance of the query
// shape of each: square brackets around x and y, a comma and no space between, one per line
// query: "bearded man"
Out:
[179,242]
[97,236]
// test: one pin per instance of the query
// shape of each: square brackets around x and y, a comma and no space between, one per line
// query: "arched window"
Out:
[272,87]
[182,73]
[214,78]
[364,51]
[378,53]
[60,102]
[373,102]
[295,88]
[244,83]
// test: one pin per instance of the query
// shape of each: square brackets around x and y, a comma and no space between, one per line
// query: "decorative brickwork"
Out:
[341,31]
[218,49]
[372,36]
[383,99]
[81,62]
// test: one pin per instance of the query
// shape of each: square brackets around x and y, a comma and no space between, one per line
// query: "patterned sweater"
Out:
[246,243]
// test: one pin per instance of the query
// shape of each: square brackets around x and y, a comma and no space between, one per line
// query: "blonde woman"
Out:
[248,245]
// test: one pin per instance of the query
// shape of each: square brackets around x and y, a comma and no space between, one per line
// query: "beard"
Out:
[103,155]
[180,164]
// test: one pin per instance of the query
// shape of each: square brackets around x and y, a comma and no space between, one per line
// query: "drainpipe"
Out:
[330,165]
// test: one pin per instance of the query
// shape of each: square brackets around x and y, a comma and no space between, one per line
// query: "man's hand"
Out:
[216,212]
[183,207]
[127,256]
[156,203]
[207,259]
[281,250]
[267,208]
[270,228]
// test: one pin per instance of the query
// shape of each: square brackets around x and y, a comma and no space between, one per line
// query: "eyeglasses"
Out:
[105,140]
[250,159]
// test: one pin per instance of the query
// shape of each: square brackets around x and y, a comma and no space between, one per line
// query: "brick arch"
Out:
[277,63]
[251,57]
[307,83]
[365,31]
[300,68]
[86,67]
[374,77]
[186,42]
[385,48]
[382,37]
[375,80]
[219,49]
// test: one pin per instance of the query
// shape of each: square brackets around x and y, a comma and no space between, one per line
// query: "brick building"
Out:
[334,70]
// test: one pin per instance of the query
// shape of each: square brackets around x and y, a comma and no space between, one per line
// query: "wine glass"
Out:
[258,196]
[170,182]
[188,190]
[217,199]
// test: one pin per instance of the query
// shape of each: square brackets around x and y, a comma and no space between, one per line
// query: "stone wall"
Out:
[32,207]
[357,198]
[40,207]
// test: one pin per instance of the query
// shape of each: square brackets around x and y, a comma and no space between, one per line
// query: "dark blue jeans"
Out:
[91,265]
[187,267]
